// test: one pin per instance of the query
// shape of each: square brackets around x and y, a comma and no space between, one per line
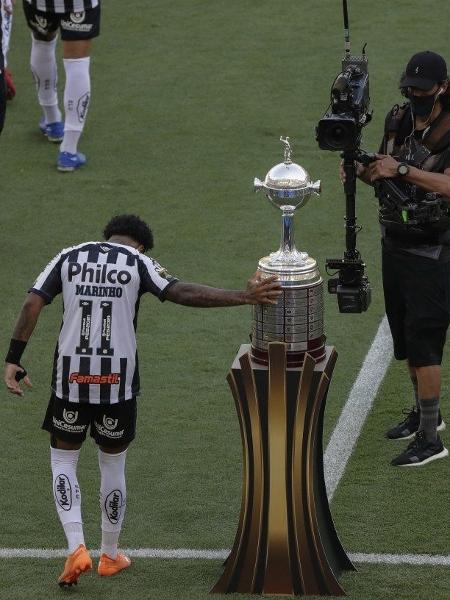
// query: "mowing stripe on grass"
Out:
[192,554]
[357,407]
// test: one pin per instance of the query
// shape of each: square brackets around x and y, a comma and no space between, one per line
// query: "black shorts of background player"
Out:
[77,29]
[415,151]
[95,374]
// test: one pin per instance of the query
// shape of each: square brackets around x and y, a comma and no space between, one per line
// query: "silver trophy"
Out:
[297,318]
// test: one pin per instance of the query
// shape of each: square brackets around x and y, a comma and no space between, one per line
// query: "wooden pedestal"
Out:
[286,542]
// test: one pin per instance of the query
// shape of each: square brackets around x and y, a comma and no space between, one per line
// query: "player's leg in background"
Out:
[113,496]
[77,32]
[77,91]
[45,73]
[6,25]
[43,28]
[2,83]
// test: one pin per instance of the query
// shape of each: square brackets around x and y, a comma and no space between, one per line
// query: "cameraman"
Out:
[415,152]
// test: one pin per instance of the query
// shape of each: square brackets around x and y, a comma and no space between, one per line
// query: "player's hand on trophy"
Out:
[263,290]
[13,375]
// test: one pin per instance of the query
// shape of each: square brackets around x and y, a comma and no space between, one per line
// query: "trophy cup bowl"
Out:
[297,318]
[288,184]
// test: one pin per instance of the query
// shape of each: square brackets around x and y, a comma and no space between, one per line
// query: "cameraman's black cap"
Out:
[424,70]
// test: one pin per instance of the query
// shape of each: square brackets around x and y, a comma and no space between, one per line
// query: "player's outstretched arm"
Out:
[259,291]
[25,324]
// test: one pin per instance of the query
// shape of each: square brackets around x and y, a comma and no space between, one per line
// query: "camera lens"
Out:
[339,136]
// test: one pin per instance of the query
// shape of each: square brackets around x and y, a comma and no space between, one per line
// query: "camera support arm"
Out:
[351,229]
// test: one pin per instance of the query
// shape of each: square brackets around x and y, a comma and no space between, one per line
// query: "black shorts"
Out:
[74,26]
[417,298]
[111,424]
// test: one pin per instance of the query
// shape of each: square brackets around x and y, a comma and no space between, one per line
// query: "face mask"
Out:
[422,105]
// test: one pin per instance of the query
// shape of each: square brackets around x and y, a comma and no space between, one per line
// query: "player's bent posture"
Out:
[95,374]
[79,23]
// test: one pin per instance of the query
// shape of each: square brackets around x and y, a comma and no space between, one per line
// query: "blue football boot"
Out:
[69,162]
[54,132]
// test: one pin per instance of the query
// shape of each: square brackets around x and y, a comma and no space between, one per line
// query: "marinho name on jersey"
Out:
[99,274]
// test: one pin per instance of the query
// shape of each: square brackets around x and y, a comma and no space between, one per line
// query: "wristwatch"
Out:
[403,169]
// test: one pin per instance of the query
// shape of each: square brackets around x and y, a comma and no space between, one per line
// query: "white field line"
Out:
[337,454]
[192,554]
[357,407]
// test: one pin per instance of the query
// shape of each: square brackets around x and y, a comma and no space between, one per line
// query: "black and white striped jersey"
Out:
[63,6]
[101,283]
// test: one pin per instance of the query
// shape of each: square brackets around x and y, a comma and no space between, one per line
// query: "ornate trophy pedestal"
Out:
[286,542]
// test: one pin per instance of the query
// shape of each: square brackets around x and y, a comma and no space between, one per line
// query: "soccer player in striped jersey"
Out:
[95,378]
[78,22]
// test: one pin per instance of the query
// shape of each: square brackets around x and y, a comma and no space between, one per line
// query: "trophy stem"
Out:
[287,244]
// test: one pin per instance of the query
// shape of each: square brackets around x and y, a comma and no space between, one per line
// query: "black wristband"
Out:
[16,349]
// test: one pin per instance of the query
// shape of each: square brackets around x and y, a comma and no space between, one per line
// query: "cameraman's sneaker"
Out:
[54,132]
[70,162]
[407,428]
[420,452]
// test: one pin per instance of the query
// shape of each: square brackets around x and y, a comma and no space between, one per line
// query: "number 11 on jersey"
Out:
[85,329]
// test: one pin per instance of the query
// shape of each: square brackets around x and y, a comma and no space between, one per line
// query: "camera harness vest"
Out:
[430,151]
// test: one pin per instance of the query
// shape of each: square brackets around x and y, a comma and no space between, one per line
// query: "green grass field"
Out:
[188,102]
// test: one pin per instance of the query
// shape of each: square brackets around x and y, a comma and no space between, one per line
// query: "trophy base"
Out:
[316,349]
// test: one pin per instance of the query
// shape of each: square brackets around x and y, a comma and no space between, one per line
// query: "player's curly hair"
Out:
[131,226]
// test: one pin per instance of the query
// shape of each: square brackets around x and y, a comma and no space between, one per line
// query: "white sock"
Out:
[74,534]
[112,499]
[7,20]
[66,493]
[43,67]
[77,94]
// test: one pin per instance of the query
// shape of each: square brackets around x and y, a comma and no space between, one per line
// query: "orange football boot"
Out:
[76,563]
[110,566]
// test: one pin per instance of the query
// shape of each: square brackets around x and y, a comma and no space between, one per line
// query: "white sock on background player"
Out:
[112,499]
[43,67]
[6,19]
[77,94]
[66,493]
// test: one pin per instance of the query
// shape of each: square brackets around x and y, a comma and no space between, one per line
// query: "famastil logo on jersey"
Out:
[70,416]
[109,378]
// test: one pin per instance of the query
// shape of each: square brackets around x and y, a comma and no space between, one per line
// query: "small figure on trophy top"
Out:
[287,150]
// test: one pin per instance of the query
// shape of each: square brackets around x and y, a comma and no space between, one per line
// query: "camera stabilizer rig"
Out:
[340,130]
